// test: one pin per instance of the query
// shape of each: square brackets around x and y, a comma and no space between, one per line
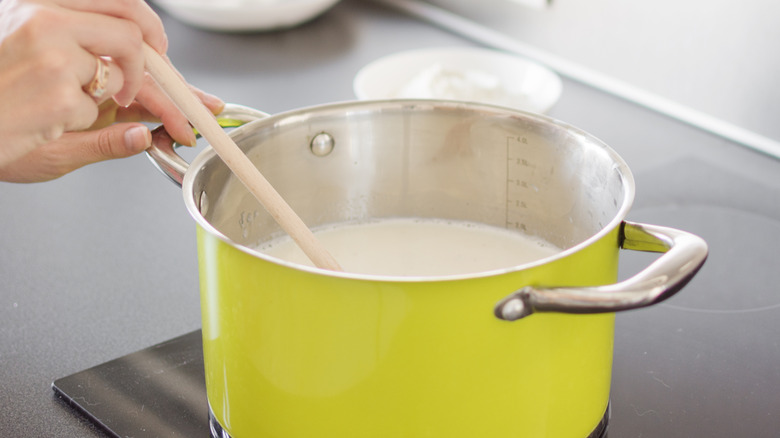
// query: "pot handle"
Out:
[163,154]
[684,254]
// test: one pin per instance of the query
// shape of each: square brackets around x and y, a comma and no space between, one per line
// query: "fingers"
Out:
[115,29]
[48,61]
[40,99]
[154,106]
[128,69]
[118,39]
[136,11]
[213,103]
[112,80]
[157,102]
[154,100]
[77,149]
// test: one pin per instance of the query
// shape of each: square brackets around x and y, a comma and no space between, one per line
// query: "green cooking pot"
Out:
[295,351]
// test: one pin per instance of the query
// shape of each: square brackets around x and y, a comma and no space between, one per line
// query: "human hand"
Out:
[48,54]
[115,134]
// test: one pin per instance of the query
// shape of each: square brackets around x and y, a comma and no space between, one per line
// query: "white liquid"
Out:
[417,247]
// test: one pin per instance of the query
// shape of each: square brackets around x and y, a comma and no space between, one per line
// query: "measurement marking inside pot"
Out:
[518,169]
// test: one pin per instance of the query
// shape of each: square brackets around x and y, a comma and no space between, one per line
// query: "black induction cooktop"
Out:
[157,392]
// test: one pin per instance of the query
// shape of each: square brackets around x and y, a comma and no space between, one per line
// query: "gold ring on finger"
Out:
[97,86]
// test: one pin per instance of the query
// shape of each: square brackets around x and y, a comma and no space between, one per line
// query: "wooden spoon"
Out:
[205,122]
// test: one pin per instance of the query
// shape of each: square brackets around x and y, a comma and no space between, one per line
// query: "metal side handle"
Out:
[163,154]
[685,253]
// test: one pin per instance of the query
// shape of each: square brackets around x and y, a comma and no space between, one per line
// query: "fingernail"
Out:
[192,140]
[138,138]
[123,100]
[213,102]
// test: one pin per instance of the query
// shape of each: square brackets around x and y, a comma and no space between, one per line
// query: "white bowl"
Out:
[463,74]
[245,15]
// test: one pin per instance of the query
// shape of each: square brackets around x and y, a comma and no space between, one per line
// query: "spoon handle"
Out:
[205,122]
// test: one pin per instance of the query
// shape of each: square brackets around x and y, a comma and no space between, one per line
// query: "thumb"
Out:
[77,149]
[116,141]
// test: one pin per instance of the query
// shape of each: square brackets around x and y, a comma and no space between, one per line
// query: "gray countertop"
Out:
[102,262]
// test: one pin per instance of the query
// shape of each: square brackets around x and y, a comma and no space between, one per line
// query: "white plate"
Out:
[245,15]
[463,74]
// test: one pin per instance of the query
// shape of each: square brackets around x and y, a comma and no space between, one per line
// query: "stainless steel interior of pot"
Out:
[357,161]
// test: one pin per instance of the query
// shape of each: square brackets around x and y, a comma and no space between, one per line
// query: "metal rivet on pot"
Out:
[203,203]
[322,144]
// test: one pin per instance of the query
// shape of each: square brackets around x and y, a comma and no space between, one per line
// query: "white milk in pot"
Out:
[418,247]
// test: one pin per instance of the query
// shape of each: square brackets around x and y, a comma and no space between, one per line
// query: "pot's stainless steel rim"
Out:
[164,157]
[684,253]
[600,431]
